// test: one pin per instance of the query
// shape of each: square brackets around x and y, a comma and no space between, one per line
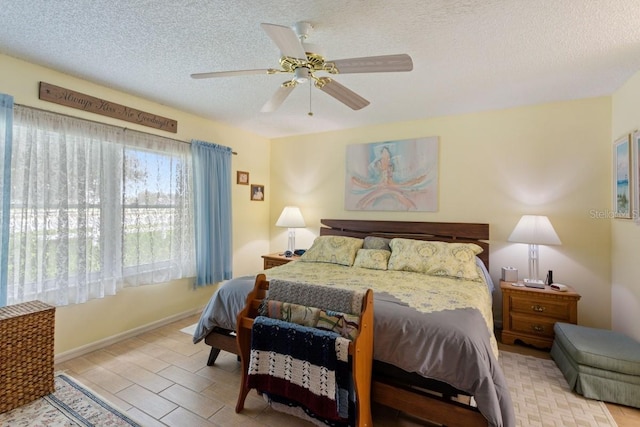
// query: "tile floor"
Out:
[161,378]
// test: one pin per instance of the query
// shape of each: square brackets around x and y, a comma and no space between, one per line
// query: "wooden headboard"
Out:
[459,232]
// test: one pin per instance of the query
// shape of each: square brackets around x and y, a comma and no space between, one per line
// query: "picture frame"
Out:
[409,167]
[257,193]
[242,178]
[635,175]
[622,198]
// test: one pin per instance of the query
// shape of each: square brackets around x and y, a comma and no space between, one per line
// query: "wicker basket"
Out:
[26,353]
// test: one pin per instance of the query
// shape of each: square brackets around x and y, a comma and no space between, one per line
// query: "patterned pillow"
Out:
[374,242]
[435,258]
[375,259]
[333,249]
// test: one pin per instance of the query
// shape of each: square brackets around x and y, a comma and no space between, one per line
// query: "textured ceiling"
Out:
[468,55]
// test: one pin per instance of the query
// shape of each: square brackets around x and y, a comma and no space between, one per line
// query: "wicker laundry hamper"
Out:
[26,353]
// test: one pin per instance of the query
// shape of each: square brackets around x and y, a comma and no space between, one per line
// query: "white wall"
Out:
[625,234]
[81,325]
[550,159]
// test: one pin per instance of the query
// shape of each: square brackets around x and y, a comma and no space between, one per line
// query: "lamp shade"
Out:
[535,230]
[291,217]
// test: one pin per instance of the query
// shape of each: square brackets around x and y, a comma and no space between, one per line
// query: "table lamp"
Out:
[534,230]
[291,217]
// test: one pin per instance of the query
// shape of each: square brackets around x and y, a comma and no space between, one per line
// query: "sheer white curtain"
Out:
[93,208]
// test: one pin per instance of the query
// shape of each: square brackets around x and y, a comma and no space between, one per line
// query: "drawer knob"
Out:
[538,308]
[537,328]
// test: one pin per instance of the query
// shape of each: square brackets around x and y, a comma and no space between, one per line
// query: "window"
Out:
[94,208]
[157,215]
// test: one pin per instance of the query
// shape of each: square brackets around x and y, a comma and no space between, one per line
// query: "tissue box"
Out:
[509,274]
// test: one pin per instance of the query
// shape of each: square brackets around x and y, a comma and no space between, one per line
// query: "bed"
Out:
[433,333]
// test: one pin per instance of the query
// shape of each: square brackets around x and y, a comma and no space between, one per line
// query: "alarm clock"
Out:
[559,287]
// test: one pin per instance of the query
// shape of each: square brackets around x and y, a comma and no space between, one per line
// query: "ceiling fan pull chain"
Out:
[310,113]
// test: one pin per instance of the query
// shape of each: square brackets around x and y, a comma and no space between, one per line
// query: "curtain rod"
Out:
[101,123]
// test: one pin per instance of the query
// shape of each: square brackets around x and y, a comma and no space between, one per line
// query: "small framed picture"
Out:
[242,178]
[257,192]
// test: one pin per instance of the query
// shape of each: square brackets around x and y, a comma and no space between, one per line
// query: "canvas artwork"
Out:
[393,176]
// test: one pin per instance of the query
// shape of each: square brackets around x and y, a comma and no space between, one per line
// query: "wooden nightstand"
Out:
[528,314]
[274,260]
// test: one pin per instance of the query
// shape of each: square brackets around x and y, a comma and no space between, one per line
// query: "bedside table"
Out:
[274,260]
[528,314]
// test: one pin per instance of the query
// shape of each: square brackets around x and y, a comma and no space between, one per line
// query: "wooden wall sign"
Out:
[73,99]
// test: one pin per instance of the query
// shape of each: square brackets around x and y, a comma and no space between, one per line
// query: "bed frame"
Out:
[414,399]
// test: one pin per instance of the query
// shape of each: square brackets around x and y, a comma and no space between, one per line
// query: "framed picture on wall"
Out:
[622,198]
[257,192]
[635,174]
[242,178]
[392,176]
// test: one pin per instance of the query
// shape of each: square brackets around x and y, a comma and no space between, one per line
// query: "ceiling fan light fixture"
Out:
[301,75]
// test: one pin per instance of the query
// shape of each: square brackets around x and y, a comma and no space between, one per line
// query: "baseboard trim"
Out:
[97,345]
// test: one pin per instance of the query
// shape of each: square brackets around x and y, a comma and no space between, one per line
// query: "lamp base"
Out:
[291,241]
[534,283]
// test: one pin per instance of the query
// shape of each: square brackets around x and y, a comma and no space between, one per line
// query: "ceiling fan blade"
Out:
[278,98]
[374,64]
[286,40]
[341,93]
[229,73]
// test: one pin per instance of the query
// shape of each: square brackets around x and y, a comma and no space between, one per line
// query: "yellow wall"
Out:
[550,159]
[625,234]
[81,325]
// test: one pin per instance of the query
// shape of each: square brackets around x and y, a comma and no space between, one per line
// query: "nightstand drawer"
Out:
[556,309]
[275,260]
[531,325]
[270,263]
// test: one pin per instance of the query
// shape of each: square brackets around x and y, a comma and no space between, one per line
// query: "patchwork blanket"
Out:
[302,366]
[344,324]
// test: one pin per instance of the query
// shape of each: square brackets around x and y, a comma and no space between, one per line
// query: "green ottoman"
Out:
[598,363]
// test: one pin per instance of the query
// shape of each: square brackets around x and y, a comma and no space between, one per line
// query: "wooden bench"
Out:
[360,350]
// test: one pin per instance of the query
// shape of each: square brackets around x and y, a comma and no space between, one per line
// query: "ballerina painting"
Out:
[393,176]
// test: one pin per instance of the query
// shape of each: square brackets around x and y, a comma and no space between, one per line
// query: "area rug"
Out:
[541,395]
[69,405]
[189,329]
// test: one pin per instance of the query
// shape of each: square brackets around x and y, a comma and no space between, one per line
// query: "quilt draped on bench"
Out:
[324,297]
[345,324]
[302,366]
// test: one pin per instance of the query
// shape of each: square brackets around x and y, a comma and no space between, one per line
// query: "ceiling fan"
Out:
[306,62]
